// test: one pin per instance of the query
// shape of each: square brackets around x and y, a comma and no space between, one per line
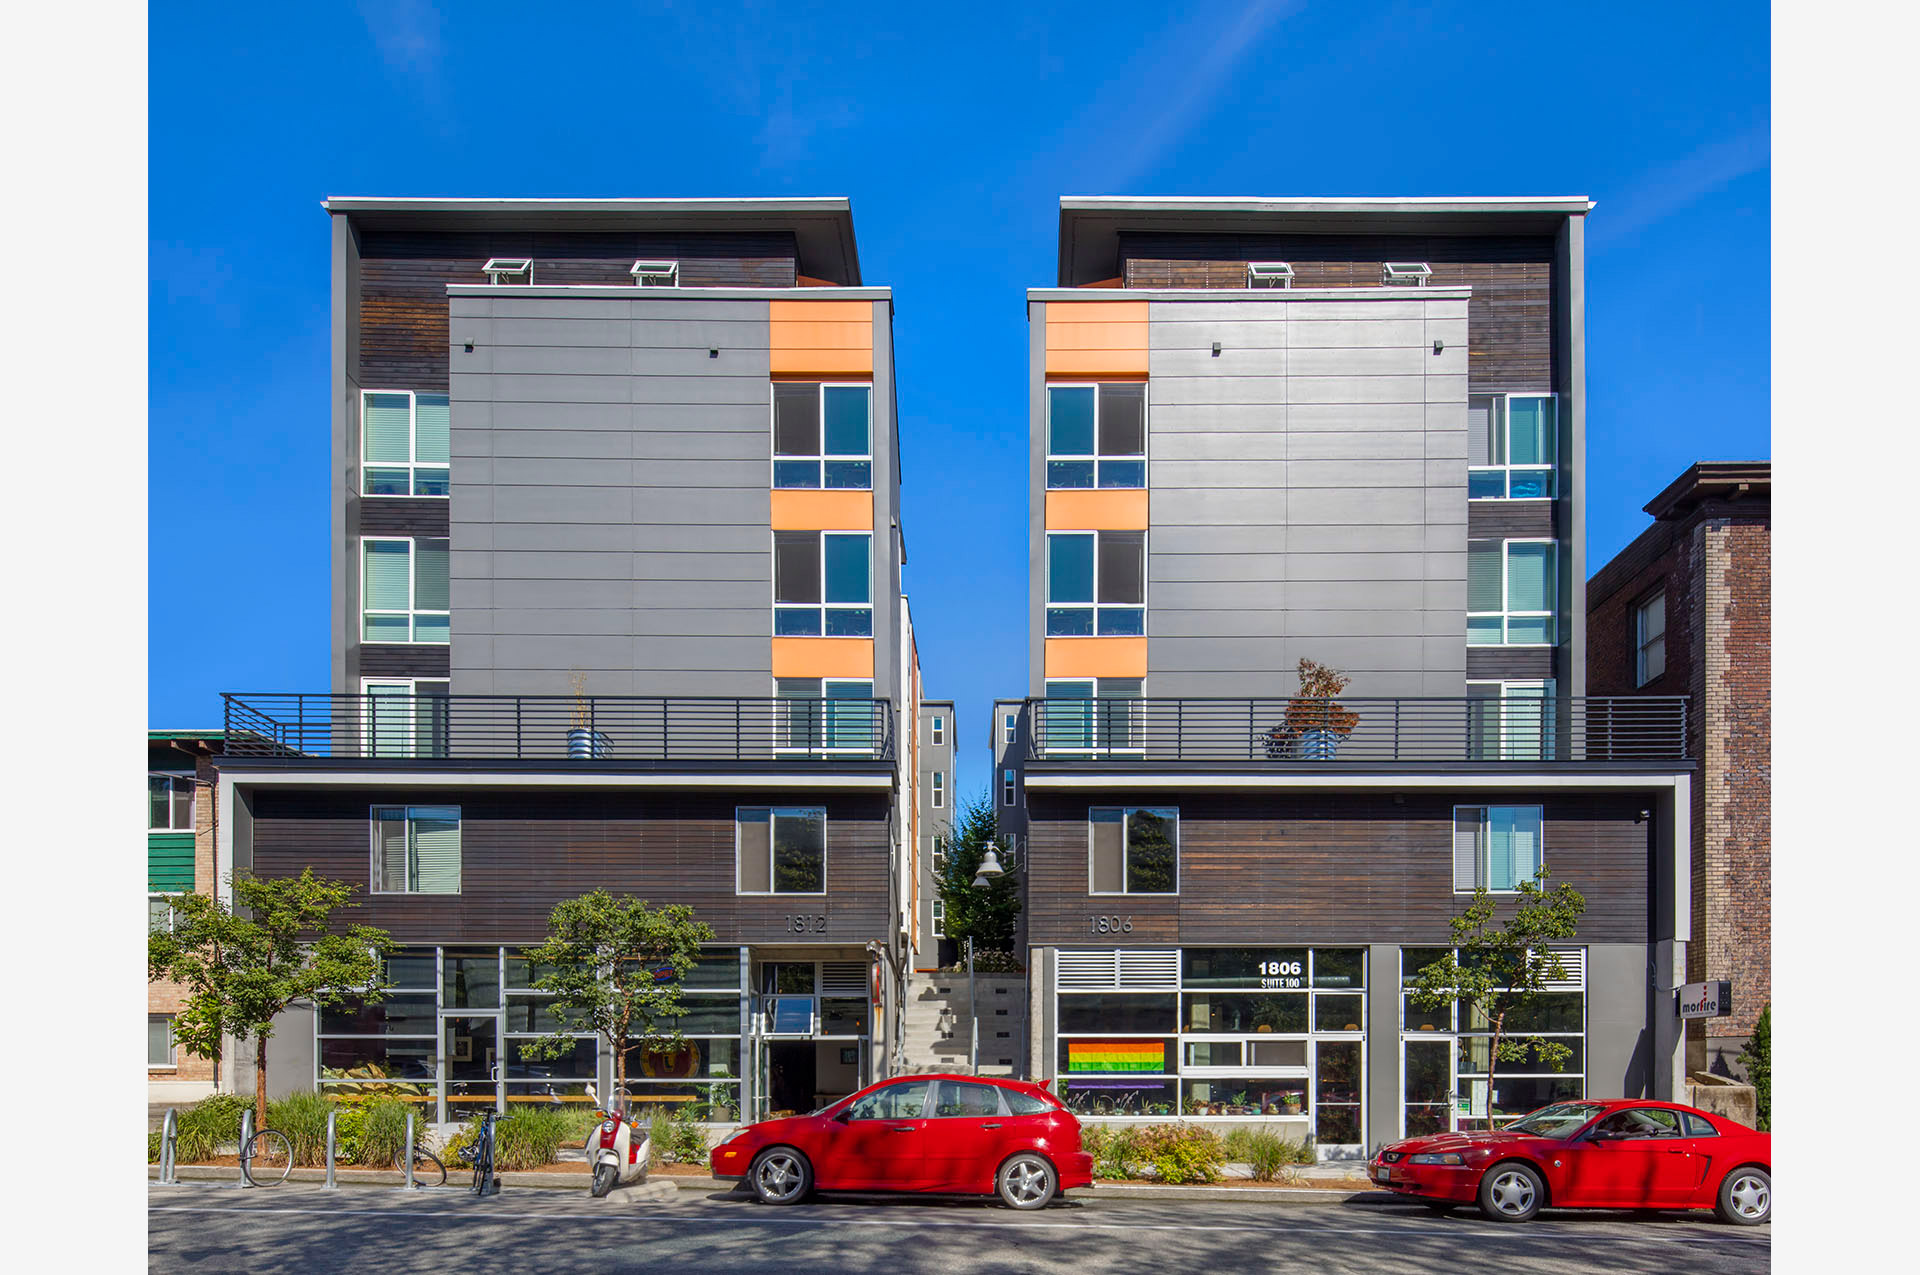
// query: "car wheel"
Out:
[1511,1192]
[1026,1181]
[780,1175]
[1746,1197]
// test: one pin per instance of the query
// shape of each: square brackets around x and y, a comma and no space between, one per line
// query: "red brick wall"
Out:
[165,997]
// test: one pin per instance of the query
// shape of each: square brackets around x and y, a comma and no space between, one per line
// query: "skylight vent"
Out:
[1269,274]
[1406,274]
[656,274]
[508,270]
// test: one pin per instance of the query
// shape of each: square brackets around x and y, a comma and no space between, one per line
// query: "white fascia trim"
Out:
[627,292]
[1325,204]
[433,779]
[1369,292]
[1385,781]
[435,203]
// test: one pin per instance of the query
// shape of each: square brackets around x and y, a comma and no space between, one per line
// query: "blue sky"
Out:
[955,142]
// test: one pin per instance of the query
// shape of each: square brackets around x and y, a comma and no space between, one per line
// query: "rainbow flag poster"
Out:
[1116,1055]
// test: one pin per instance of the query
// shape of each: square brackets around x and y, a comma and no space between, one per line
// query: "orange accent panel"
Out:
[1096,338]
[1113,510]
[823,510]
[825,657]
[1096,657]
[820,338]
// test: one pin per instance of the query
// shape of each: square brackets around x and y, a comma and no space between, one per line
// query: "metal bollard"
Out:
[409,1151]
[169,1153]
[246,1136]
[333,1118]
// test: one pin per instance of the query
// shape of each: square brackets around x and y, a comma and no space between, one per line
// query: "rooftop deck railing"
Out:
[612,728]
[1285,731]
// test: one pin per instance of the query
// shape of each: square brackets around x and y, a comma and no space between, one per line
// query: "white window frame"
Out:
[1509,741]
[938,918]
[375,883]
[644,272]
[821,457]
[1506,468]
[939,790]
[1270,274]
[173,783]
[1505,615]
[1123,891]
[1097,606]
[1483,844]
[412,612]
[1009,786]
[498,270]
[368,727]
[818,745]
[1643,641]
[1405,274]
[1096,456]
[157,896]
[1454,1034]
[1010,727]
[822,606]
[173,1047]
[937,727]
[413,461]
[1099,719]
[773,811]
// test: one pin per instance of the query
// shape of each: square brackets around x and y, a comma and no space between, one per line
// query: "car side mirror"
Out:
[1605,1135]
[843,1115]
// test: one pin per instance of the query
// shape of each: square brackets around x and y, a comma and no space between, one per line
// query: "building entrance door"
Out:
[1427,1086]
[470,1071]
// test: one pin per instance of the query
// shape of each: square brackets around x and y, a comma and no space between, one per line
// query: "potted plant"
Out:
[1291,1102]
[583,741]
[1314,722]
[1195,1107]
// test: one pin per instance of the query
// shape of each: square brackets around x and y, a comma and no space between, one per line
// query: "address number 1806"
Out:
[1110,924]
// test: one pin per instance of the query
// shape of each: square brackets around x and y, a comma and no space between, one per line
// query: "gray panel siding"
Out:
[1308,495]
[610,507]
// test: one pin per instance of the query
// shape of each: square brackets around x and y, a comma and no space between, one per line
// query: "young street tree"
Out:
[616,967]
[240,971]
[1501,972]
[985,913]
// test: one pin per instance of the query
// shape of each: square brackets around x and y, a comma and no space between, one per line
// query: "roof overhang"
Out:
[1083,779]
[822,227]
[1090,225]
[1713,480]
[837,780]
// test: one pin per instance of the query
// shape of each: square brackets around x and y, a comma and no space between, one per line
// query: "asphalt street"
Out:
[209,1228]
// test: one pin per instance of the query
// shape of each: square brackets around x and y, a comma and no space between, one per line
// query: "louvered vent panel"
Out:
[843,978]
[1149,969]
[1573,964]
[1088,969]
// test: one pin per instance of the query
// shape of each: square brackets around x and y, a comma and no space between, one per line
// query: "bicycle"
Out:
[266,1158]
[480,1155]
[427,1167]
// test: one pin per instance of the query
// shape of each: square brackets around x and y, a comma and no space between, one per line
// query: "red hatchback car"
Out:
[1614,1154]
[951,1134]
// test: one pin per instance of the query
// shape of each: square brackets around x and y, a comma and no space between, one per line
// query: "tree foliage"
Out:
[1498,972]
[986,913]
[616,967]
[241,967]
[1757,1058]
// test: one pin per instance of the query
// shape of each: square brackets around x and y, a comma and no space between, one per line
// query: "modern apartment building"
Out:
[181,859]
[1348,431]
[1687,609]
[616,603]
[934,820]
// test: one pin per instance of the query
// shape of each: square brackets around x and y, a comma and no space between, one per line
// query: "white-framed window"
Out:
[160,1050]
[1650,637]
[824,715]
[406,441]
[1512,446]
[939,790]
[937,847]
[1512,720]
[169,803]
[1092,716]
[822,584]
[1496,846]
[509,270]
[1133,850]
[823,435]
[160,913]
[939,729]
[780,850]
[404,590]
[416,850]
[1096,583]
[1097,435]
[939,907]
[405,716]
[1009,786]
[656,274]
[1009,728]
[1513,589]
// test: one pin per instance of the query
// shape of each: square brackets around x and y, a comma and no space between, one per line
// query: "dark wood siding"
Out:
[1513,518]
[1509,320]
[404,278]
[523,852]
[377,660]
[1326,868]
[402,516]
[1501,664]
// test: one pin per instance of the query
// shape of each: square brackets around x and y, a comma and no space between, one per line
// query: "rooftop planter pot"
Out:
[583,742]
[1314,723]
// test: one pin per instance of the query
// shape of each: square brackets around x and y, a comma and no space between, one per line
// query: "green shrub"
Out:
[209,1125]
[153,1146]
[1182,1152]
[677,1137]
[302,1117]
[1757,1058]
[376,1131]
[1115,1150]
[1267,1153]
[525,1138]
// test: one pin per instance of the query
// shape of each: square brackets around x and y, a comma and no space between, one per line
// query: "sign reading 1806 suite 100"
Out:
[1705,1000]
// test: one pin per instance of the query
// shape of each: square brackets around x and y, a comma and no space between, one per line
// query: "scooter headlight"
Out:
[606,1126]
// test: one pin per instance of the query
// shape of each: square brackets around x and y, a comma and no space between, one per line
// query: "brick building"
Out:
[180,860]
[1686,609]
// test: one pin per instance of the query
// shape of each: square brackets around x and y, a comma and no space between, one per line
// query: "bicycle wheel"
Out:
[267,1159]
[427,1168]
[483,1166]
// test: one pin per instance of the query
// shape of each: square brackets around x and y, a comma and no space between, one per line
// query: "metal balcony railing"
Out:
[614,728]
[1281,730]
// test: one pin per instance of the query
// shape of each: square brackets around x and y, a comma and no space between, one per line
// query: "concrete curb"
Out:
[457,1179]
[1281,1195]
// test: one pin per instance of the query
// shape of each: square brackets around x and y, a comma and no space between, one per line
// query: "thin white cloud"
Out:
[407,33]
[1661,192]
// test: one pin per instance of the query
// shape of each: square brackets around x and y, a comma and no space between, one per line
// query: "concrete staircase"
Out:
[936,1027]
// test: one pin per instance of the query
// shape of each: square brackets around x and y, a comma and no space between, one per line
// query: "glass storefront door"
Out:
[470,1074]
[1427,1078]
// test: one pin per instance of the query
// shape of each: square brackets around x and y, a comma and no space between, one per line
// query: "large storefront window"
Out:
[1268,1032]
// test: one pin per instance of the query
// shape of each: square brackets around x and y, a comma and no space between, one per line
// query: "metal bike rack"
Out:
[409,1161]
[333,1118]
[246,1136]
[169,1153]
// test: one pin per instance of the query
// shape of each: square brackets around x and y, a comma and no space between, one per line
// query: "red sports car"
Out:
[953,1134]
[1613,1154]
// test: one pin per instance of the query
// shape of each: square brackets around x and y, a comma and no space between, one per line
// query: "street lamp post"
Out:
[989,869]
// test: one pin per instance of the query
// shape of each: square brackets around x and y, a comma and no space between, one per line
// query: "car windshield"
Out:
[1558,1120]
